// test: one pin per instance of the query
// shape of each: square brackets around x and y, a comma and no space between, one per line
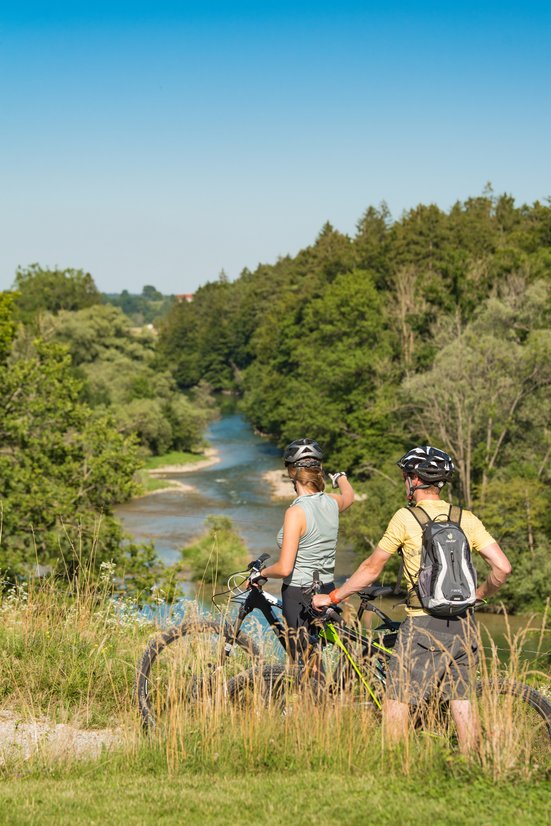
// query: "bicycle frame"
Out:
[328,632]
[336,635]
[265,603]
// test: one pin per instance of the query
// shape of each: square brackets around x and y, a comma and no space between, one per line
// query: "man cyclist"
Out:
[431,651]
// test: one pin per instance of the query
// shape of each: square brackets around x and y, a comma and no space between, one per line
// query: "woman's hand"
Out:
[345,497]
[256,580]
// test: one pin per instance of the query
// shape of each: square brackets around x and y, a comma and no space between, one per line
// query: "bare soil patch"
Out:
[21,738]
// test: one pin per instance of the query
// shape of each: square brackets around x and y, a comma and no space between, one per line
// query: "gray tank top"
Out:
[316,549]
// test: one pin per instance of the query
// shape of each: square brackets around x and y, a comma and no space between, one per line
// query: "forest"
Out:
[430,328]
[85,401]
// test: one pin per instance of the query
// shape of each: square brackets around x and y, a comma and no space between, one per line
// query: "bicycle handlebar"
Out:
[258,564]
[374,591]
[331,612]
[314,588]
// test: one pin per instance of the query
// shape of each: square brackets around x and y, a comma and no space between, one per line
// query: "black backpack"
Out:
[446,583]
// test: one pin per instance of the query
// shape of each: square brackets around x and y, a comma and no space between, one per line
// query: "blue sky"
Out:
[159,143]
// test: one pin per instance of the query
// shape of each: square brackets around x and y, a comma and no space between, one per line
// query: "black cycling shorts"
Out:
[295,605]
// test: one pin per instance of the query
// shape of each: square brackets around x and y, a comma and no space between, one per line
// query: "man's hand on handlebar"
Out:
[321,601]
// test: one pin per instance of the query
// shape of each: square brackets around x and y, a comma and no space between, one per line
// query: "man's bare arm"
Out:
[500,568]
[370,570]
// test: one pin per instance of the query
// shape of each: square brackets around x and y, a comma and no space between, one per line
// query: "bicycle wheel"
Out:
[515,715]
[273,685]
[187,663]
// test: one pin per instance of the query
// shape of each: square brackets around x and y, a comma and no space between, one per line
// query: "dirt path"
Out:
[23,738]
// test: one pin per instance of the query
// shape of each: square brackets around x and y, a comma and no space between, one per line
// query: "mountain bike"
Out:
[203,658]
[356,672]
[199,656]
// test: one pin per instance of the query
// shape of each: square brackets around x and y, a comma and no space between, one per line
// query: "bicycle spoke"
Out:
[186,665]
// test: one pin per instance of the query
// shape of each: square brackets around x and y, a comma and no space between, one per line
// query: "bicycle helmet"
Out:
[303,453]
[431,465]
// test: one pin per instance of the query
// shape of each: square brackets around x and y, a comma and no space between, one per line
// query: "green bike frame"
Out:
[330,634]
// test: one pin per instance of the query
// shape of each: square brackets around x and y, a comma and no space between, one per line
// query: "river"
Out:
[234,487]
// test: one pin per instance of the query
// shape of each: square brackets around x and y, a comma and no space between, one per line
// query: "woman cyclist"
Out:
[308,538]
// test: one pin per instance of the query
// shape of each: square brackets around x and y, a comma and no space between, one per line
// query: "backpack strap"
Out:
[398,587]
[400,575]
[412,599]
[455,513]
[421,515]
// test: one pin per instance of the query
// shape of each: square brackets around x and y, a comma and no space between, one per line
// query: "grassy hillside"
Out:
[71,659]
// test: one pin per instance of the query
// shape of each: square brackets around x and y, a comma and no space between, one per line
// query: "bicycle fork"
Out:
[264,603]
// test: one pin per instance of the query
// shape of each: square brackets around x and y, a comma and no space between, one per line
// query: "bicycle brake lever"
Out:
[256,578]
[325,615]
[258,563]
[333,612]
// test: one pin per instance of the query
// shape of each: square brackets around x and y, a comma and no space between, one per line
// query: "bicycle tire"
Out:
[197,683]
[272,685]
[540,722]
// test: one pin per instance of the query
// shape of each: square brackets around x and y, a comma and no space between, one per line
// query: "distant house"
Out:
[184,297]
[145,330]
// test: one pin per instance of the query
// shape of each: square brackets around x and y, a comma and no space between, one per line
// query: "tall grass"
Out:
[71,655]
[513,742]
[276,721]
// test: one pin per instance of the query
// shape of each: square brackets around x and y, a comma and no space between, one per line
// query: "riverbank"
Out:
[280,484]
[209,457]
[167,485]
[155,472]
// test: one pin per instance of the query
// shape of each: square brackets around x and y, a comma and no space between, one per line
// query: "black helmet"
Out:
[303,453]
[429,464]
